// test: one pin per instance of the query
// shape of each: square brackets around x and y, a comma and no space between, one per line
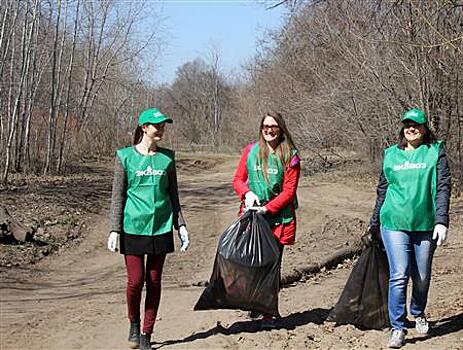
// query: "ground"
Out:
[68,292]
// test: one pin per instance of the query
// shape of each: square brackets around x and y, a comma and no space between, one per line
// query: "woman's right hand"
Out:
[184,238]
[250,200]
[371,236]
[113,241]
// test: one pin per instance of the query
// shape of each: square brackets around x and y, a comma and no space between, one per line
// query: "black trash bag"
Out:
[363,302]
[246,273]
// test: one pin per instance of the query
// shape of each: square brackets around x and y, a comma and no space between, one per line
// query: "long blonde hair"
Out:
[285,147]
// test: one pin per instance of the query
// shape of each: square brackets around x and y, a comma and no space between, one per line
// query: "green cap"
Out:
[416,115]
[153,116]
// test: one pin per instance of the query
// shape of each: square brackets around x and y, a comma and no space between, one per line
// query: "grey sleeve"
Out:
[173,191]
[119,196]
[381,190]
[443,190]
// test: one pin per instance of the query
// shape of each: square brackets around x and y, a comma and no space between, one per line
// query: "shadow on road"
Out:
[442,327]
[317,316]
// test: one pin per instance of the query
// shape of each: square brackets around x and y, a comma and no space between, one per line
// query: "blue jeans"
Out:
[409,255]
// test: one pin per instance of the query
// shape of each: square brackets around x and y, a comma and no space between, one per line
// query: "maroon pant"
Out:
[137,274]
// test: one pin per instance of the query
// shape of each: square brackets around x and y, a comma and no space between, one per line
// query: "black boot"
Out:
[145,341]
[254,314]
[134,335]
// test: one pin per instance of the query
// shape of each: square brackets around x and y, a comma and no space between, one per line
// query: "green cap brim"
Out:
[415,115]
[153,116]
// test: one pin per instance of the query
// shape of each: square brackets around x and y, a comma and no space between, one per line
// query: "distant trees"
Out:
[342,71]
[65,65]
[345,70]
[201,100]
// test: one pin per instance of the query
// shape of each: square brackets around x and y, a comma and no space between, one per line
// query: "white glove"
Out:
[259,210]
[184,238]
[113,241]
[250,199]
[440,233]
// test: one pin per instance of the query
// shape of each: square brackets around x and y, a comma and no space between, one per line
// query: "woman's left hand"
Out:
[184,238]
[259,210]
[440,233]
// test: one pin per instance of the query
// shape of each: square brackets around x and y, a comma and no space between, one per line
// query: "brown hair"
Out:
[428,137]
[285,147]
[138,135]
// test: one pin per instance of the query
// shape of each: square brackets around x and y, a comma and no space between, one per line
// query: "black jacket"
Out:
[443,189]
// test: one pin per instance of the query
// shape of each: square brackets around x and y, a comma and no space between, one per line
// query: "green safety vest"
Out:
[148,208]
[410,197]
[270,188]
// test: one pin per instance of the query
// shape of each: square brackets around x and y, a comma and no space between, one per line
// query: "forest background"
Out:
[72,81]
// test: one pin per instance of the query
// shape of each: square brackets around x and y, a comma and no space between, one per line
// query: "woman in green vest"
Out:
[411,214]
[144,210]
[266,179]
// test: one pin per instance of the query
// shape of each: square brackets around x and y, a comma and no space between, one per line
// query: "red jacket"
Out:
[285,233]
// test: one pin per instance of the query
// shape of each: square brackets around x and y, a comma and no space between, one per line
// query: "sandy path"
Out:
[76,300]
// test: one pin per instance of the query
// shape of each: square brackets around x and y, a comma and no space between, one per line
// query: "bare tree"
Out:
[69,77]
[356,66]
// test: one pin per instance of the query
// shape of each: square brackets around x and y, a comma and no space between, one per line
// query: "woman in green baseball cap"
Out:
[144,210]
[411,214]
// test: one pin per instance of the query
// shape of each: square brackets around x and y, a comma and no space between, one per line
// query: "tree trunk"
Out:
[68,92]
[52,116]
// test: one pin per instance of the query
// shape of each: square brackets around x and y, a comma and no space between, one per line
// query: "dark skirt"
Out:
[139,245]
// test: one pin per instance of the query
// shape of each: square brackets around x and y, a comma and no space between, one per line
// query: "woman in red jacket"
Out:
[266,179]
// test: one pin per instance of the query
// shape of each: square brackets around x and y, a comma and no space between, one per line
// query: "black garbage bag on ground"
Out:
[246,273]
[363,302]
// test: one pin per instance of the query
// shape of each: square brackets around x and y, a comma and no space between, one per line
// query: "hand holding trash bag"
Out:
[371,236]
[259,210]
[250,199]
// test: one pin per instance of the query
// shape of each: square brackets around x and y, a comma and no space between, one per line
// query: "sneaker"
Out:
[134,335]
[421,325]
[397,339]
[145,341]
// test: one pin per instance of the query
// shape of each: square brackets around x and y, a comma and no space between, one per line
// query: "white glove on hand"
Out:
[259,210]
[440,233]
[250,199]
[113,241]
[184,238]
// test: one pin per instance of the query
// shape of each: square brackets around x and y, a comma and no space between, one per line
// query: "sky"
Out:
[233,27]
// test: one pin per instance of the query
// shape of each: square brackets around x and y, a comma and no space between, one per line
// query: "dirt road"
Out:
[76,299]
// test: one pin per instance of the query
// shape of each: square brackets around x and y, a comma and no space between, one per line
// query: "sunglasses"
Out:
[270,127]
[411,125]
